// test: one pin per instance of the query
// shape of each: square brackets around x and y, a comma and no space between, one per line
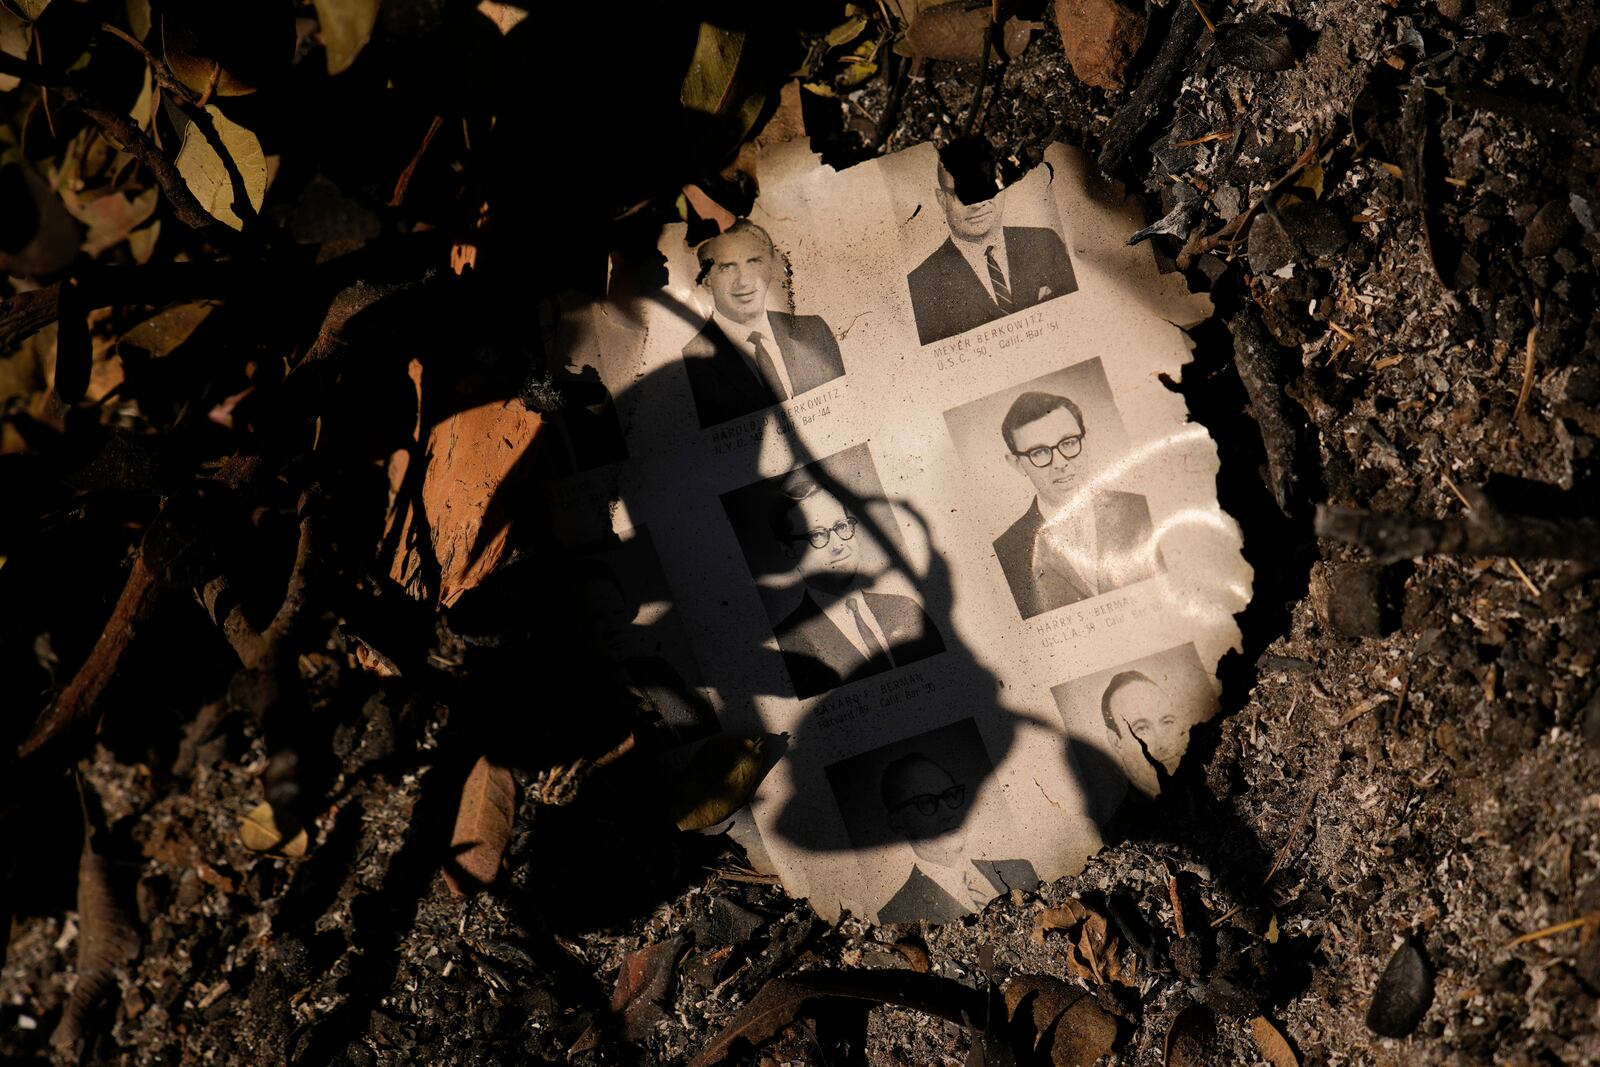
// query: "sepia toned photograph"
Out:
[987,264]
[817,539]
[924,792]
[749,355]
[1146,707]
[626,616]
[1052,445]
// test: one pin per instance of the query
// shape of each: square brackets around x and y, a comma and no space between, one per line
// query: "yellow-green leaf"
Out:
[15,37]
[269,829]
[28,9]
[346,28]
[210,175]
[719,780]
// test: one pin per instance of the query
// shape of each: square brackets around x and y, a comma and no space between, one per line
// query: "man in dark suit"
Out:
[928,808]
[839,632]
[1075,541]
[1142,718]
[985,270]
[746,357]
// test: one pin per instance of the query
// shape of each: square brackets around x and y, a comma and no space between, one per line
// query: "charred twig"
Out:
[27,313]
[404,181]
[1252,356]
[158,67]
[1235,231]
[74,710]
[1484,531]
[990,32]
[257,648]
[891,107]
[1150,95]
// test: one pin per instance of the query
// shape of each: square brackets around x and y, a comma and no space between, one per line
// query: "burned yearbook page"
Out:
[897,480]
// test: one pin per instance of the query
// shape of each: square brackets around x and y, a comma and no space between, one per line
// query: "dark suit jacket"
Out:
[948,298]
[923,898]
[726,386]
[1122,533]
[819,657]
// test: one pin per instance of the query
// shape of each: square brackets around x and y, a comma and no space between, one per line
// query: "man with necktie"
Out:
[1079,538]
[984,270]
[839,632]
[748,357]
[927,807]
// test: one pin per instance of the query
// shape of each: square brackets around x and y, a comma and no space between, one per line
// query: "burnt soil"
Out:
[1408,752]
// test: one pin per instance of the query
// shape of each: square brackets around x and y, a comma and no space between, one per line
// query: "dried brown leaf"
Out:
[483,826]
[1272,1045]
[269,828]
[471,456]
[719,780]
[642,983]
[346,27]
[778,1002]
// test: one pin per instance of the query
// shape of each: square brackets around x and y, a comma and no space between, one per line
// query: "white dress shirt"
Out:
[837,609]
[739,333]
[973,252]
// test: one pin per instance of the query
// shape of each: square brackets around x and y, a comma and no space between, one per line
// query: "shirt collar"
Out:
[739,332]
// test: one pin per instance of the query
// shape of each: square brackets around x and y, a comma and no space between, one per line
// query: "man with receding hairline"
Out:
[748,357]
[1140,716]
[1077,540]
[927,807]
[984,270]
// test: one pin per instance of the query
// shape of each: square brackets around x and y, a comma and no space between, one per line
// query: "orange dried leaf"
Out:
[483,826]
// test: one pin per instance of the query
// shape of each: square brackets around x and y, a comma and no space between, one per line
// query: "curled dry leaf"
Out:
[719,780]
[1065,917]
[346,28]
[1271,1043]
[267,828]
[222,166]
[483,826]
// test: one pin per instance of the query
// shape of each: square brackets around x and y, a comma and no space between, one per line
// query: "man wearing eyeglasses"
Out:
[1077,540]
[746,357]
[984,270]
[928,808]
[840,632]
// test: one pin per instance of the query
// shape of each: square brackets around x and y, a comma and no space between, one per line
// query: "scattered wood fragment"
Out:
[1589,924]
[1484,532]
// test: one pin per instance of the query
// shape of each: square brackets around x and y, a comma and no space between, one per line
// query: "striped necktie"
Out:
[1002,295]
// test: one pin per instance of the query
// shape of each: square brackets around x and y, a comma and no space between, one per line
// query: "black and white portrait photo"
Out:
[817,540]
[1057,439]
[749,356]
[1145,708]
[984,268]
[923,792]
